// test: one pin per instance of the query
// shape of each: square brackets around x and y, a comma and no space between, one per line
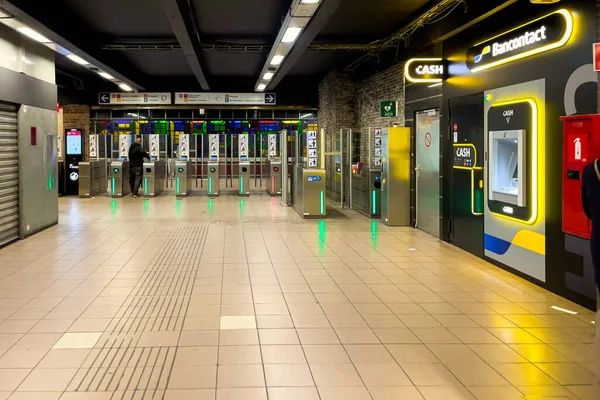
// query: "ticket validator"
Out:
[155,171]
[213,165]
[395,176]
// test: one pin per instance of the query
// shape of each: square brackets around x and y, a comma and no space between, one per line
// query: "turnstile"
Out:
[155,174]
[274,177]
[244,172]
[184,175]
[213,179]
[366,192]
[92,178]
[309,192]
[119,179]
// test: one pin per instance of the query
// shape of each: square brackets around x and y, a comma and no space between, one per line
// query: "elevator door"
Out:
[466,128]
[428,171]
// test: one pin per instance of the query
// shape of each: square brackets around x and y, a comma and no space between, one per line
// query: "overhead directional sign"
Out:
[134,98]
[225,98]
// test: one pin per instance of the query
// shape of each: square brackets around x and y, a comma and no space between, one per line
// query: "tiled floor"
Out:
[241,299]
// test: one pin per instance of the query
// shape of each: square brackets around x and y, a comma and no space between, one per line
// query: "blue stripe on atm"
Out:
[496,245]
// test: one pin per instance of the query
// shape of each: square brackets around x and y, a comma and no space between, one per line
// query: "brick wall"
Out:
[384,86]
[75,116]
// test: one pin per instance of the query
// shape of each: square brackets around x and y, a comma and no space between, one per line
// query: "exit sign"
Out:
[389,109]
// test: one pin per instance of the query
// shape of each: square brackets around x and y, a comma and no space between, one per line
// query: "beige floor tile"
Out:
[159,339]
[77,341]
[239,355]
[278,336]
[47,380]
[567,373]
[21,358]
[576,352]
[346,393]
[476,374]
[497,353]
[553,335]
[318,336]
[395,393]
[523,374]
[199,338]
[197,377]
[242,393]
[322,354]
[64,358]
[42,396]
[411,353]
[452,353]
[191,356]
[544,392]
[369,354]
[282,354]
[539,353]
[240,376]
[435,335]
[11,378]
[274,321]
[456,321]
[445,393]
[357,336]
[288,375]
[238,337]
[430,374]
[90,325]
[293,393]
[495,393]
[382,374]
[190,394]
[328,375]
[238,322]
[311,321]
[474,336]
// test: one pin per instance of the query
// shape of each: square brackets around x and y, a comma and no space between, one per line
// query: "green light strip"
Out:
[145,185]
[177,186]
[113,186]
[241,184]
[322,202]
[210,184]
[374,204]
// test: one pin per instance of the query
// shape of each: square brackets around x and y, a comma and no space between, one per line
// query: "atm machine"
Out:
[74,155]
[309,176]
[274,181]
[155,171]
[184,168]
[119,170]
[395,176]
[244,164]
[213,165]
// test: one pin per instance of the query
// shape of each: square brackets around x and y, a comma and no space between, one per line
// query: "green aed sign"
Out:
[389,109]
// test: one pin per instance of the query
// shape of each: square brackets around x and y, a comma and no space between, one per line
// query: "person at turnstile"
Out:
[136,162]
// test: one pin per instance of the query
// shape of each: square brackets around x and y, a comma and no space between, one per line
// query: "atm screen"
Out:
[74,143]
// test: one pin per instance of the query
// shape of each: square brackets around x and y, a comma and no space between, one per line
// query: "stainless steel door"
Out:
[428,171]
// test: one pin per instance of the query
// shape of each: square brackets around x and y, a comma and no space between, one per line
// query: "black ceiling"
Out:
[98,26]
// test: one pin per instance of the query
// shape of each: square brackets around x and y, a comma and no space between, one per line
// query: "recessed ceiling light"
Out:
[125,87]
[106,76]
[267,76]
[261,87]
[291,34]
[276,60]
[33,35]
[77,59]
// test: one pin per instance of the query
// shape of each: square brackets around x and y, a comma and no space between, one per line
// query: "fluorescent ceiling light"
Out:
[106,76]
[261,87]
[310,1]
[33,35]
[291,34]
[125,87]
[276,60]
[77,59]
[267,76]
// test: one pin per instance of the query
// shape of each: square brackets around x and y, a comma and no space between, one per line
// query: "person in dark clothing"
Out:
[136,163]
[590,199]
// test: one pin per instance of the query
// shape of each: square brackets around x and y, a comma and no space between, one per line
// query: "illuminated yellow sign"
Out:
[424,70]
[538,36]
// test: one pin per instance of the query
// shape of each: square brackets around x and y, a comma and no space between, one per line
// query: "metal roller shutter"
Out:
[9,174]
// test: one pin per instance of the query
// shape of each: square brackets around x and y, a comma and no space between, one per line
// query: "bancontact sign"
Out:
[543,34]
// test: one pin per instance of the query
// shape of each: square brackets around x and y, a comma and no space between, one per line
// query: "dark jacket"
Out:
[137,155]
[590,198]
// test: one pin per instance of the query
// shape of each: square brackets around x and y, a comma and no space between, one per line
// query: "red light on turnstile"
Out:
[272,184]
[276,169]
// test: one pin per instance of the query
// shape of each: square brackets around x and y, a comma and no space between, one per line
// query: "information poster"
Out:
[123,146]
[312,149]
[154,146]
[243,147]
[74,142]
[377,147]
[184,146]
[59,146]
[214,147]
[272,145]
[93,139]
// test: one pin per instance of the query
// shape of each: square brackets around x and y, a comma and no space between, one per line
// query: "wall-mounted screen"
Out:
[74,142]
